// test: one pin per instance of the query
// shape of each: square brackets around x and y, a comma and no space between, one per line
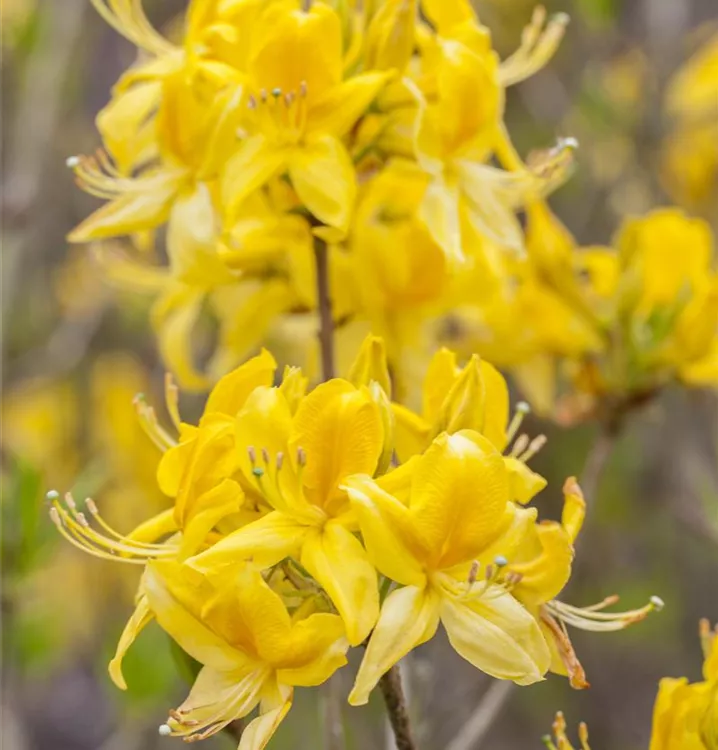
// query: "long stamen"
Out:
[75,528]
[590,618]
[150,424]
[534,447]
[129,20]
[522,409]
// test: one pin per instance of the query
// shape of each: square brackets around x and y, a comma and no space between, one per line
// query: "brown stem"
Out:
[324,303]
[393,694]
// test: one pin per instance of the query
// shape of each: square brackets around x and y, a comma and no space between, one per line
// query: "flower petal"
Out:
[265,542]
[411,432]
[139,618]
[171,592]
[339,428]
[322,173]
[317,648]
[459,497]
[337,111]
[389,535]
[252,165]
[497,635]
[339,563]
[259,731]
[408,618]
[232,391]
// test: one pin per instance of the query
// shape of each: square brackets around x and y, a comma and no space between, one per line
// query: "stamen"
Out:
[265,456]
[280,460]
[301,457]
[473,572]
[172,400]
[520,445]
[534,447]
[500,561]
[591,618]
[150,424]
[165,730]
[522,409]
[276,93]
[72,161]
[128,19]
[252,455]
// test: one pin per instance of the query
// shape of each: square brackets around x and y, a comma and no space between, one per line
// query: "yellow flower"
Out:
[200,472]
[297,461]
[474,397]
[252,650]
[459,126]
[422,521]
[297,110]
[560,741]
[685,715]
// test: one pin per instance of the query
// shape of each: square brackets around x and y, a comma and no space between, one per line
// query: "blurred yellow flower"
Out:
[560,740]
[685,714]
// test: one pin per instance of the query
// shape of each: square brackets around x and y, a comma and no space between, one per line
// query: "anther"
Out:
[303,88]
[72,162]
[520,445]
[263,95]
[55,516]
[165,730]
[289,98]
[252,455]
[489,573]
[52,495]
[70,501]
[474,571]
[280,460]
[301,457]
[500,561]
[534,447]
[657,603]
[90,503]
[265,456]
[251,102]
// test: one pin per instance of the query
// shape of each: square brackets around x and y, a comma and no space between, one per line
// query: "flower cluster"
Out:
[603,328]
[295,533]
[273,126]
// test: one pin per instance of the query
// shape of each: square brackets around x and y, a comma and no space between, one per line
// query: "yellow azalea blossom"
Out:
[673,317]
[253,652]
[685,714]
[200,472]
[458,127]
[297,461]
[453,505]
[474,397]
[560,740]
[297,110]
[536,563]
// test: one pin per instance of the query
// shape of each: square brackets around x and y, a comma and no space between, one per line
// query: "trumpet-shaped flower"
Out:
[419,526]
[253,652]
[297,462]
[298,109]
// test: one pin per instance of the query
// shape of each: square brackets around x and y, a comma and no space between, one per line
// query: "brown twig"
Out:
[597,460]
[324,303]
[393,694]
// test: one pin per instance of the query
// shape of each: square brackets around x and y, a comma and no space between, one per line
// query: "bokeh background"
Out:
[76,352]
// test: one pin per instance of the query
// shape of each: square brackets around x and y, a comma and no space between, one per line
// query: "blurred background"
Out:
[76,352]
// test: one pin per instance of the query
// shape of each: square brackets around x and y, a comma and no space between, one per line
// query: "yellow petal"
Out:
[459,497]
[155,528]
[179,622]
[411,432]
[232,391]
[143,207]
[496,414]
[339,563]
[317,649]
[207,511]
[139,618]
[371,365]
[439,212]
[525,484]
[265,542]
[445,16]
[497,635]
[390,36]
[339,109]
[408,618]
[389,535]
[192,236]
[440,376]
[322,173]
[574,508]
[256,160]
[259,731]
[293,50]
[173,318]
[339,428]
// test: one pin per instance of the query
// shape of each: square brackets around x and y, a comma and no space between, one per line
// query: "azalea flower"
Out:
[297,457]
[252,650]
[421,522]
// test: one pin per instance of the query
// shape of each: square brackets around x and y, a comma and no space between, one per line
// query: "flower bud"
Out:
[390,36]
[370,365]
